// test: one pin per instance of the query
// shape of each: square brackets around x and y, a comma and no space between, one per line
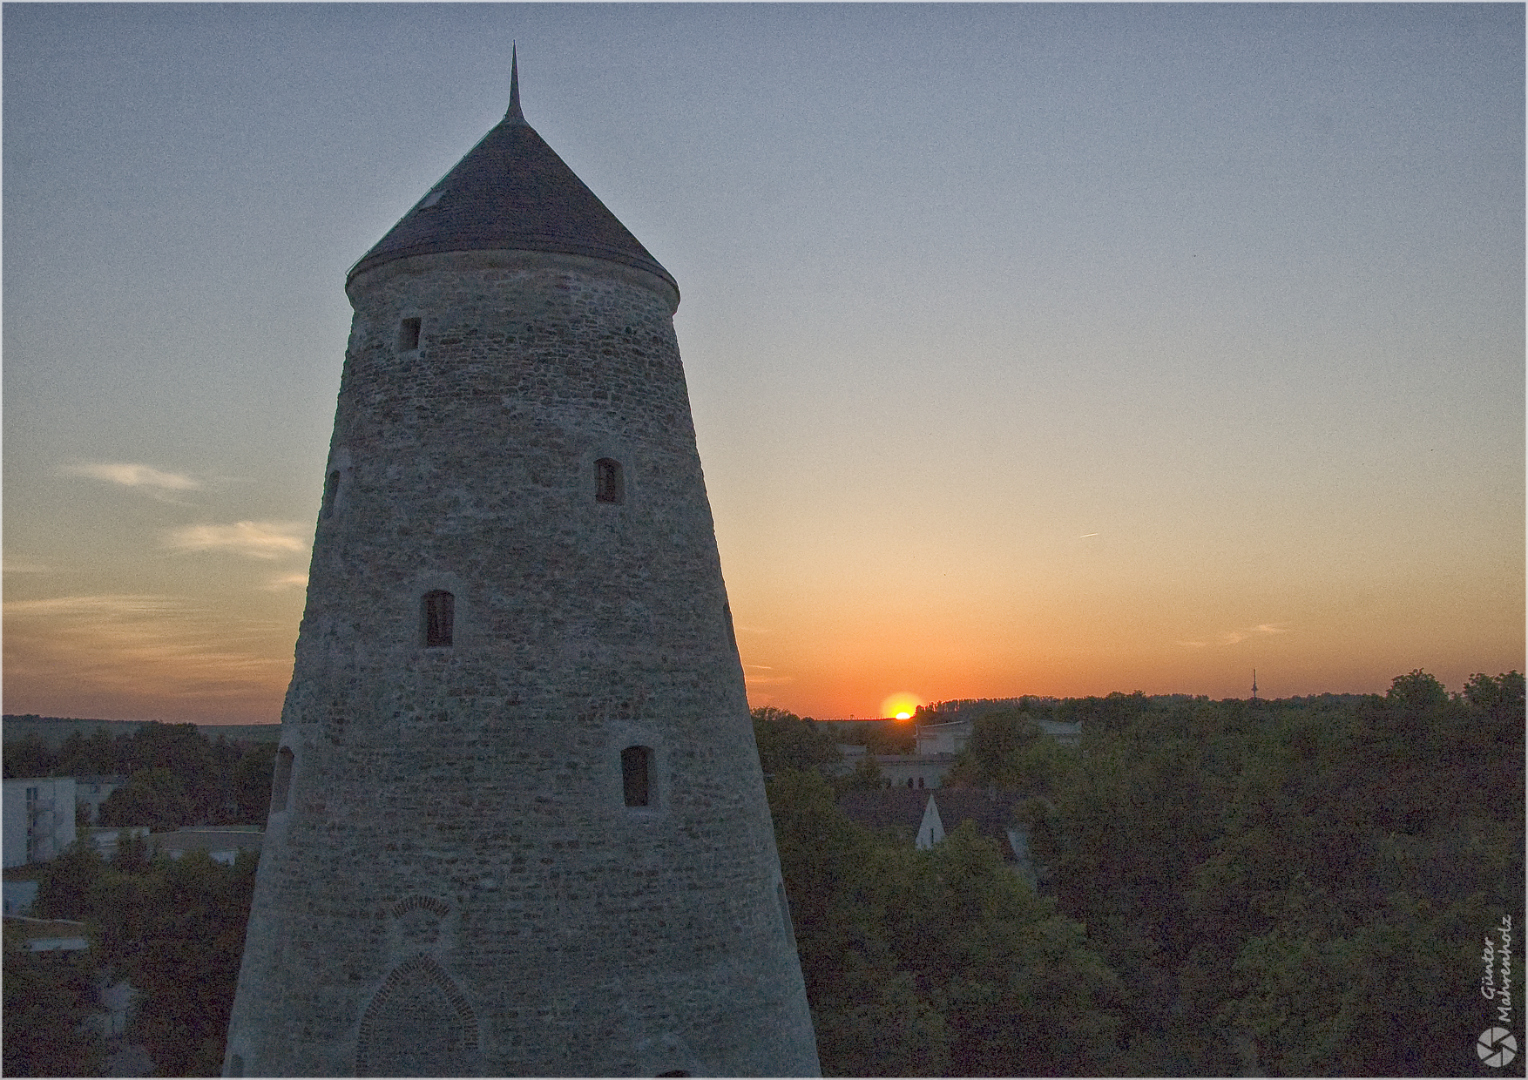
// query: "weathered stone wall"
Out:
[453,882]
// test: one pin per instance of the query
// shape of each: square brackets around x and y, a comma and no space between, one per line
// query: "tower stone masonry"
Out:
[518,825]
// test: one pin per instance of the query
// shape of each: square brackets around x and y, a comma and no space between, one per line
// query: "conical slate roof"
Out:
[512,192]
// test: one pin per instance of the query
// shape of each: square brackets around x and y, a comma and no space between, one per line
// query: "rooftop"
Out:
[511,192]
[902,808]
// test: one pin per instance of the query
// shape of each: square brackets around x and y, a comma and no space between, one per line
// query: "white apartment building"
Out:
[38,819]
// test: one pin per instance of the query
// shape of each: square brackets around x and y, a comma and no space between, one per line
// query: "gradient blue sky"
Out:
[1032,349]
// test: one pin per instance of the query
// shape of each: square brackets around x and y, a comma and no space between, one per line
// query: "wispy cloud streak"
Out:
[1236,637]
[141,651]
[133,475]
[252,539]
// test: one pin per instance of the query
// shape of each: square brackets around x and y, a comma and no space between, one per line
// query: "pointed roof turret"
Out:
[511,192]
[514,115]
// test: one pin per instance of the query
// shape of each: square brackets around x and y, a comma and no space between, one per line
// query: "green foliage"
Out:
[1313,874]
[933,963]
[252,783]
[176,775]
[28,757]
[1498,702]
[186,959]
[1008,751]
[49,998]
[897,738]
[133,853]
[1418,693]
[1113,713]
[152,797]
[92,755]
[1323,992]
[1288,888]
[174,929]
[788,743]
[866,775]
[63,885]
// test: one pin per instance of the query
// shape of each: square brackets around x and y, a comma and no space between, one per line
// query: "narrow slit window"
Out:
[636,775]
[331,489]
[608,484]
[439,618]
[408,335]
[282,786]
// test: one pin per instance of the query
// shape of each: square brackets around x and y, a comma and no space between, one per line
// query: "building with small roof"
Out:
[222,845]
[951,736]
[106,839]
[47,935]
[19,894]
[938,744]
[38,819]
[916,771]
[926,817]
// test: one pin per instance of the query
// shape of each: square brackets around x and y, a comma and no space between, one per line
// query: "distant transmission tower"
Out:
[1254,684]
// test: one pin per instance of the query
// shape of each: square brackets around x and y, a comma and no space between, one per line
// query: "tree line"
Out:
[1271,888]
[172,928]
[1292,887]
[176,775]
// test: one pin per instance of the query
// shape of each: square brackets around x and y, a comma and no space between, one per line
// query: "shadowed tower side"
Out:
[518,824]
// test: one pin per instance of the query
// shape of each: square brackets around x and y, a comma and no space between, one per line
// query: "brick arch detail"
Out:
[413,903]
[417,971]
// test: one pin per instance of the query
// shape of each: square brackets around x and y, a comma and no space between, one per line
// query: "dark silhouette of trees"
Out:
[933,963]
[788,743]
[176,775]
[173,928]
[49,998]
[1295,888]
[28,757]
[1292,887]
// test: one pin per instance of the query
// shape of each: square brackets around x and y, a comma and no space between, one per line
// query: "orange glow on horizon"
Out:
[901,705]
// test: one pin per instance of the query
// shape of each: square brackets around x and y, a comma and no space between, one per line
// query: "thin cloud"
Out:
[252,539]
[287,581]
[1236,637]
[142,651]
[19,566]
[107,605]
[133,475]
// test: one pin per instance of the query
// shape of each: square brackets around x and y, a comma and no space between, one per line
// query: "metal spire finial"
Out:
[514,115]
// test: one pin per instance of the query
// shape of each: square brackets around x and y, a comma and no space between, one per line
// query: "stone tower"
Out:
[518,824]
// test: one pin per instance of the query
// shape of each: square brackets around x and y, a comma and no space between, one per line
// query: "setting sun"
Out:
[901,705]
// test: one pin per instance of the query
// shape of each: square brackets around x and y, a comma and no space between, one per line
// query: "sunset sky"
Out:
[1032,349]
